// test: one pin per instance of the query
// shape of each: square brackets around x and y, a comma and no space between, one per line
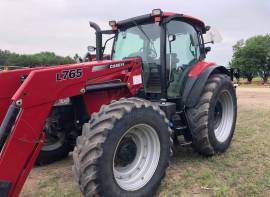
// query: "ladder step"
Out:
[179,112]
[185,144]
[181,128]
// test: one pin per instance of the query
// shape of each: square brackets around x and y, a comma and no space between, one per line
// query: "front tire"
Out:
[124,150]
[212,120]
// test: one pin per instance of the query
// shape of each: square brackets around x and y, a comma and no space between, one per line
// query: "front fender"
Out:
[196,83]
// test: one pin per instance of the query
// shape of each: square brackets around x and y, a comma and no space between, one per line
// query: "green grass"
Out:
[244,170]
[55,180]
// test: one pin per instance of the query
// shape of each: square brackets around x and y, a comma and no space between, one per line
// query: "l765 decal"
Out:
[69,74]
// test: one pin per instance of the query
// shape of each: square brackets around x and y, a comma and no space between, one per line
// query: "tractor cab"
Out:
[169,45]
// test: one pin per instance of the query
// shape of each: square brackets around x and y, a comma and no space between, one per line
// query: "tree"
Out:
[252,57]
[4,54]
[265,64]
[38,59]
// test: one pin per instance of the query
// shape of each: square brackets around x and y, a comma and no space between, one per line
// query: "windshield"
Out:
[141,41]
[138,41]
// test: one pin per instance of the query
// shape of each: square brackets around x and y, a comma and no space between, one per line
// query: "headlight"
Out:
[62,102]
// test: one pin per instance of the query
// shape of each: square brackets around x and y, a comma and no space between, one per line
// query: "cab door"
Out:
[183,51]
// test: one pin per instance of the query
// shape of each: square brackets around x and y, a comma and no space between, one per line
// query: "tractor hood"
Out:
[82,76]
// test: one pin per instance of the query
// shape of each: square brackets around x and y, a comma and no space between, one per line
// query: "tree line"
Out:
[39,59]
[252,57]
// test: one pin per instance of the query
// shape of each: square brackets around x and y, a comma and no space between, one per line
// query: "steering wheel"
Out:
[136,54]
[152,53]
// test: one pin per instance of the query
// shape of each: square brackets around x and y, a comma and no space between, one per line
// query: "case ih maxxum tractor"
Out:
[121,116]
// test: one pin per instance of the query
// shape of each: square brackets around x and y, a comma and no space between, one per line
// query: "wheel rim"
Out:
[54,137]
[142,143]
[223,116]
[53,142]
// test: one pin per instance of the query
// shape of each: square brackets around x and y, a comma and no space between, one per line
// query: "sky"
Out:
[61,26]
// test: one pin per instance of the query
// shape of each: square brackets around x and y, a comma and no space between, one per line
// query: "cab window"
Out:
[183,51]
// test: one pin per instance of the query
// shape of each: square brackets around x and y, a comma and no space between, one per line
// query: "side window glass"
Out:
[185,47]
[183,50]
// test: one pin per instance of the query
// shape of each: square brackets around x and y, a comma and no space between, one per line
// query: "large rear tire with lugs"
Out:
[54,149]
[56,145]
[124,150]
[212,120]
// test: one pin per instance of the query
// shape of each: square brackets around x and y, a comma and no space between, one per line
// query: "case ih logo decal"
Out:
[69,74]
[117,65]
[110,66]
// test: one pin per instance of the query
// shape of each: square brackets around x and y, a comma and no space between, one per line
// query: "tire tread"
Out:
[89,146]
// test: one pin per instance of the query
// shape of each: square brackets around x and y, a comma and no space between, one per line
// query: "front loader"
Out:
[125,114]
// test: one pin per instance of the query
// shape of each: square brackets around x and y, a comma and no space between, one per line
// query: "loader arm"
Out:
[10,81]
[22,138]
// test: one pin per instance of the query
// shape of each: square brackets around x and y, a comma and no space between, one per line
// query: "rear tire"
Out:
[212,120]
[124,150]
[57,142]
[54,152]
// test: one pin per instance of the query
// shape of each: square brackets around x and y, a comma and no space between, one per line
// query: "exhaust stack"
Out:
[99,55]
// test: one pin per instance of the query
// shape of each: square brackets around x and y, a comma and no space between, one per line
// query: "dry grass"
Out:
[244,170]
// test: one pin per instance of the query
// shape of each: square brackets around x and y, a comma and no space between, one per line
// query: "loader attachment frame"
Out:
[10,81]
[33,98]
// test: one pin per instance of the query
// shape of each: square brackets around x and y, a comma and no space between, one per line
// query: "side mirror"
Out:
[207,28]
[207,49]
[171,37]
[91,48]
[212,36]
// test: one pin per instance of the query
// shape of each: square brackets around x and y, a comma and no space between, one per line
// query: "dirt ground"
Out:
[244,170]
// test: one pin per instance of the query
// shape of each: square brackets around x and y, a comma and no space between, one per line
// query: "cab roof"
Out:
[149,18]
[187,17]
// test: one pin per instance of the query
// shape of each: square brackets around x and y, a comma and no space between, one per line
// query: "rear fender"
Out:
[196,83]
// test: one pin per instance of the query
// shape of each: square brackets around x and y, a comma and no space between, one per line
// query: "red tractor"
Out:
[122,115]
